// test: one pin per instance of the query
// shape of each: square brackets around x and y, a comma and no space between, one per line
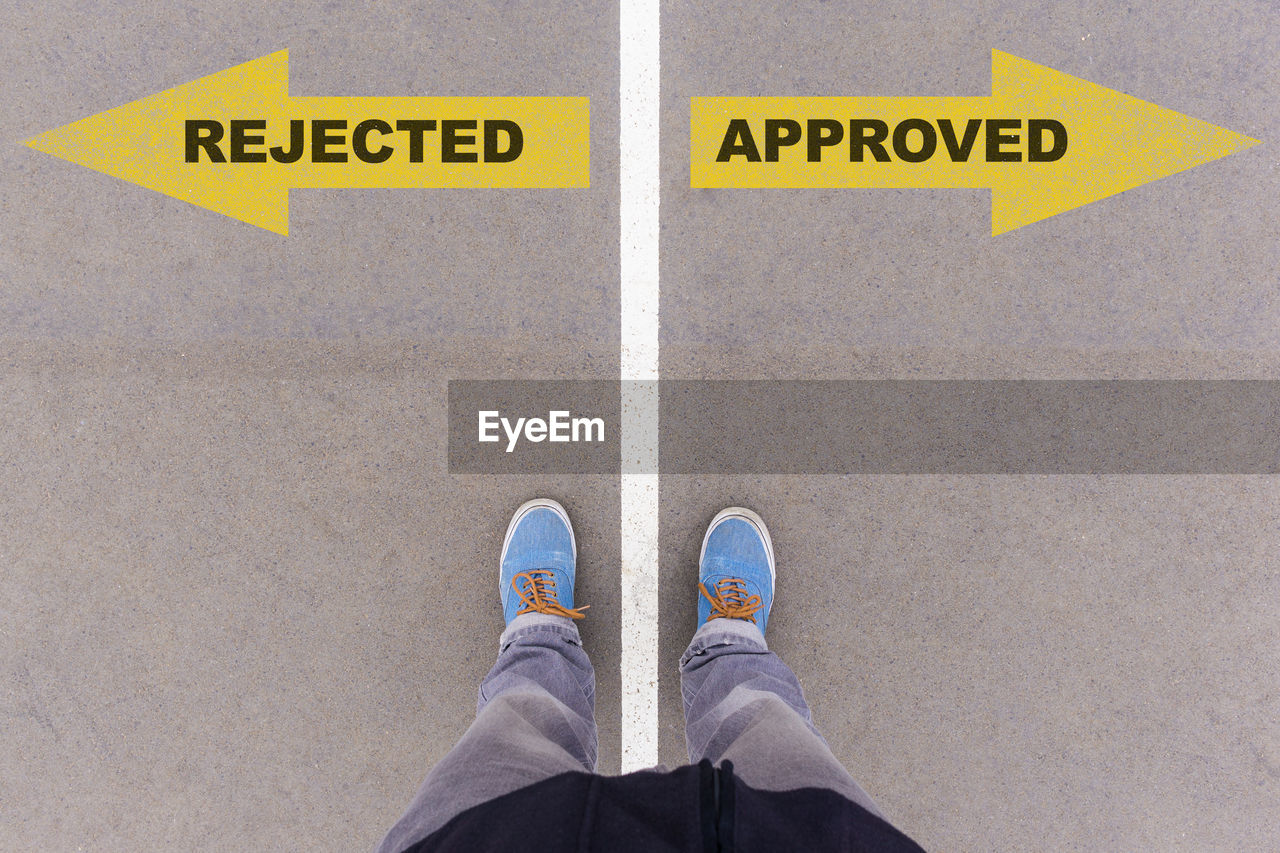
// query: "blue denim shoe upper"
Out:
[735,577]
[538,566]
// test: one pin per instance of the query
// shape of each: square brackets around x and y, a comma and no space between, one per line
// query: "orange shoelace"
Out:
[539,595]
[731,600]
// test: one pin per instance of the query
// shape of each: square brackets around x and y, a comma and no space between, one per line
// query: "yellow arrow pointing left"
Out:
[236,143]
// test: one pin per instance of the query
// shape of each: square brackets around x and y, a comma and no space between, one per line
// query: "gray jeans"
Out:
[536,719]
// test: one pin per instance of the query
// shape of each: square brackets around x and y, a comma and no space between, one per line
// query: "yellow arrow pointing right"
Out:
[1118,142]
[1044,142]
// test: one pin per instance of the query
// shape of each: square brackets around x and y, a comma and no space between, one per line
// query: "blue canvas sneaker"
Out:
[539,556]
[735,569]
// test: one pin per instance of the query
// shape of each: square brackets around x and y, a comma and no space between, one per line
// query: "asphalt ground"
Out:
[1004,662]
[245,605]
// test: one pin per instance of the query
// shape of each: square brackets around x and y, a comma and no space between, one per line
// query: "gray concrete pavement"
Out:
[243,605]
[1023,662]
[1004,662]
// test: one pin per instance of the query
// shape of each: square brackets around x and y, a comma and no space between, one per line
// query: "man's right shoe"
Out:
[735,569]
[539,561]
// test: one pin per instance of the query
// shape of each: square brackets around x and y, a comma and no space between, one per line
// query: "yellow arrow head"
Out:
[144,142]
[1116,142]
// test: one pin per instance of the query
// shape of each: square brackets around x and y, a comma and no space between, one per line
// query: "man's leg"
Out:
[741,702]
[535,717]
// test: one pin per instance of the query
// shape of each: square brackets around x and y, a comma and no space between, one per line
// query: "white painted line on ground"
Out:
[639,296]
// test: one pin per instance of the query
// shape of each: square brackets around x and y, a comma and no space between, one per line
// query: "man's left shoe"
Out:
[539,558]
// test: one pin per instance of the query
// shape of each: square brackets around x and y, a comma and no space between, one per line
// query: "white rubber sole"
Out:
[749,516]
[524,509]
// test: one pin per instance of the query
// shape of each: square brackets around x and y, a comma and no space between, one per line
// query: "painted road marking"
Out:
[235,142]
[1044,142]
[639,370]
